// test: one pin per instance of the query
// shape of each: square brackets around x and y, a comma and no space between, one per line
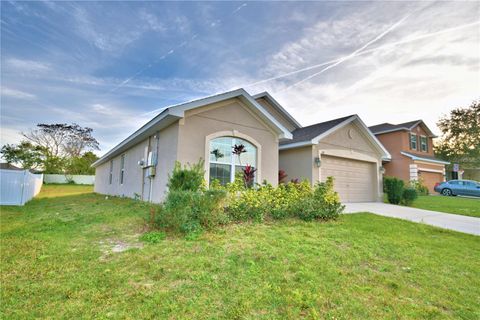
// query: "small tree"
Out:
[63,140]
[25,154]
[460,141]
[82,164]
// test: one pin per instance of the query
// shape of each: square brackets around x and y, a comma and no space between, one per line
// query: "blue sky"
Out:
[112,65]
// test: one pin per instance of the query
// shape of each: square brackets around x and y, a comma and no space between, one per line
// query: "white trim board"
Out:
[414,157]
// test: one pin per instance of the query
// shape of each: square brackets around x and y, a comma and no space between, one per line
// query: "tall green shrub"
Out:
[324,204]
[393,187]
[187,178]
[409,196]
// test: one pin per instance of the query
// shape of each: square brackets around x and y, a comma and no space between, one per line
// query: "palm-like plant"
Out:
[248,175]
[217,154]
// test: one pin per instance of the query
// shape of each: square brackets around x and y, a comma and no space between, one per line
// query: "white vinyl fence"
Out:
[18,186]
[61,178]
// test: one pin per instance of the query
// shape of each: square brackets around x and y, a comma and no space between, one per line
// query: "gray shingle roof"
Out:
[392,127]
[310,132]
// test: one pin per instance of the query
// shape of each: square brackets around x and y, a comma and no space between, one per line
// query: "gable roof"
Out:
[310,132]
[174,113]
[312,135]
[265,95]
[407,126]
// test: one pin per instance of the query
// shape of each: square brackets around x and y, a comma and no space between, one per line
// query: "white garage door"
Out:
[354,180]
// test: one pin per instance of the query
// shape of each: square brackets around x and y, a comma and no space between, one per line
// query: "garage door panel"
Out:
[354,180]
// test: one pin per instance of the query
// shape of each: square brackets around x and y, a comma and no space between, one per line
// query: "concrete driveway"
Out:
[455,222]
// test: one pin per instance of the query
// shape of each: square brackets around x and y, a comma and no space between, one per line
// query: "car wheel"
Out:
[447,192]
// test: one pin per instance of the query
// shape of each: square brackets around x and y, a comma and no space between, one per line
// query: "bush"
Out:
[192,211]
[420,187]
[153,237]
[323,204]
[409,196]
[188,178]
[393,187]
[189,208]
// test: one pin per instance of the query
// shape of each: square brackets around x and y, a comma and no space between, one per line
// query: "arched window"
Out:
[224,164]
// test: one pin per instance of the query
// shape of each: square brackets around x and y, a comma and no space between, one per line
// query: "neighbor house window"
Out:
[110,177]
[413,141]
[224,164]
[122,168]
[424,144]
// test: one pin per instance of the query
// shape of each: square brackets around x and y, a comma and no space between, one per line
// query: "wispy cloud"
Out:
[27,65]
[17,94]
[112,66]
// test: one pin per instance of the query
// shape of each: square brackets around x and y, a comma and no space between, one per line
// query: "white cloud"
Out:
[12,93]
[427,72]
[27,65]
[103,36]
[152,21]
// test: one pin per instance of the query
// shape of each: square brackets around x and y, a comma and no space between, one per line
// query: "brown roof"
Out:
[9,166]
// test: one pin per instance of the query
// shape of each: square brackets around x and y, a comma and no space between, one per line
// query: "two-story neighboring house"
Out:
[411,148]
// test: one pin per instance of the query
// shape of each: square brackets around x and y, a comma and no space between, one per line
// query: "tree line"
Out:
[55,148]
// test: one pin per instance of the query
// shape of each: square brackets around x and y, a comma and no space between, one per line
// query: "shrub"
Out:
[323,204]
[153,237]
[409,196]
[420,187]
[393,187]
[192,211]
[187,178]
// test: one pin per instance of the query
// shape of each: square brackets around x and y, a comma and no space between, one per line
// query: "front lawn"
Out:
[78,256]
[455,205]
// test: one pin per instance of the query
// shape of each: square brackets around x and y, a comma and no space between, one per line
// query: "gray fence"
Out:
[18,186]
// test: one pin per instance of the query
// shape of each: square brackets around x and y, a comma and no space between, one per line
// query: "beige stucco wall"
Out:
[132,176]
[351,142]
[167,155]
[228,118]
[273,111]
[297,163]
[187,141]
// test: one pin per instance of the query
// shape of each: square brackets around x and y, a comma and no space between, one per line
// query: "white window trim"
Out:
[233,158]
[416,141]
[233,134]
[426,144]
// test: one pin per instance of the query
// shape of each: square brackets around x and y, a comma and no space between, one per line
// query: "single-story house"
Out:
[209,128]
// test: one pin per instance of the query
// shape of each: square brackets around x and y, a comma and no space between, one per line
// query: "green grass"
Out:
[455,205]
[56,262]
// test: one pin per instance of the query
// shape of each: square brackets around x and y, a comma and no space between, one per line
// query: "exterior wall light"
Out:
[382,169]
[318,162]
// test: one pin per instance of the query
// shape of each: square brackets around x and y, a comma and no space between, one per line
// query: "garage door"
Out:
[354,180]
[430,179]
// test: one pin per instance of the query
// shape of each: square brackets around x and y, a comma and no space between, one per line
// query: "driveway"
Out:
[455,222]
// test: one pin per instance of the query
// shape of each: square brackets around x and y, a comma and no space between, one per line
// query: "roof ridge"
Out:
[318,123]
